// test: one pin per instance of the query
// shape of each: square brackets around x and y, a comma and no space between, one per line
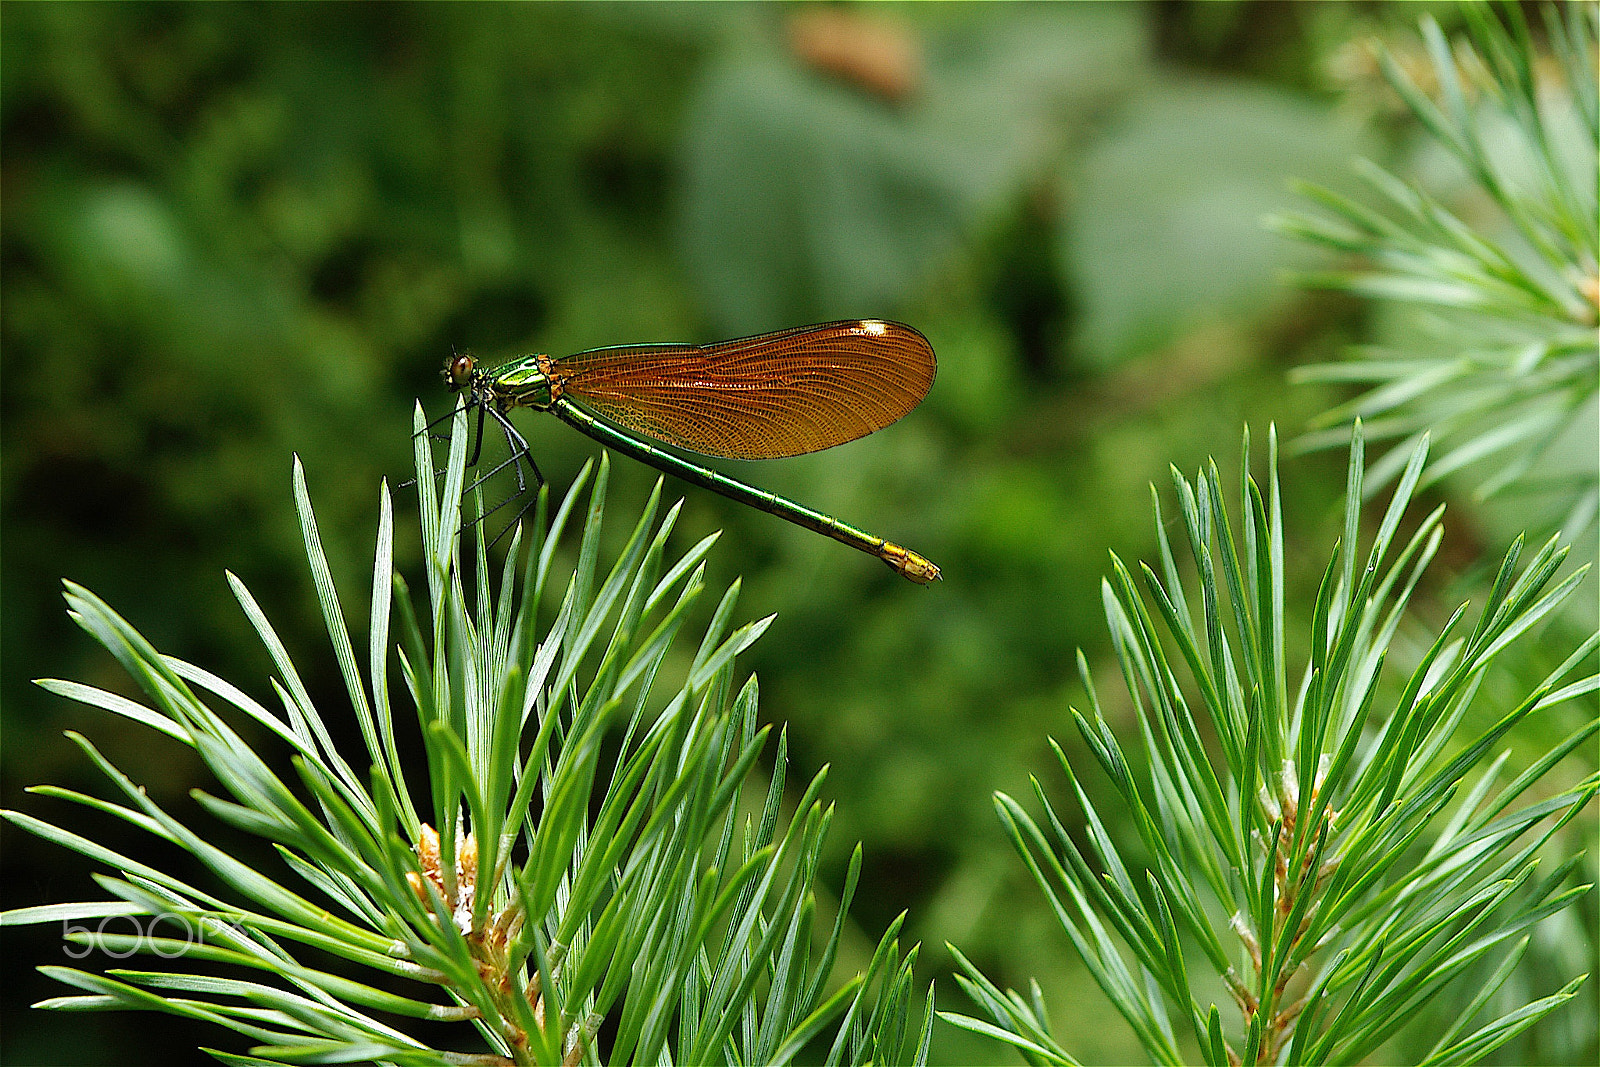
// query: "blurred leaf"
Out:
[805,200]
[1163,223]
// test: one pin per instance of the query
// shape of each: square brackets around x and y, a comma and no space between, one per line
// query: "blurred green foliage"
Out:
[236,231]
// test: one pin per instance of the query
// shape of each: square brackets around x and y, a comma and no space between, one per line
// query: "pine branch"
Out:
[1505,369]
[1336,856]
[563,888]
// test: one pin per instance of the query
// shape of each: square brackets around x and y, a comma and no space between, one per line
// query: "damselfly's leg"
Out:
[520,453]
[477,438]
[519,459]
[428,431]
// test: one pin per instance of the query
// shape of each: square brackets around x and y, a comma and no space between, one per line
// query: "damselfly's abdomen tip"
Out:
[908,563]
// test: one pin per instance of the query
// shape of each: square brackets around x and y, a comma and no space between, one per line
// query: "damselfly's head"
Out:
[459,370]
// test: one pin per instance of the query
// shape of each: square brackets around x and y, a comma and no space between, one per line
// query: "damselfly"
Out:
[777,394]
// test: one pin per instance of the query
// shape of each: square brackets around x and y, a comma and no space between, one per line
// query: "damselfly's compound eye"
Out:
[458,372]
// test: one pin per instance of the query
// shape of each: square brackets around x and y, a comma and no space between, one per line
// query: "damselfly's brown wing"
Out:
[777,394]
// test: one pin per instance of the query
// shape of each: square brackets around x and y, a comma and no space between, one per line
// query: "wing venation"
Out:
[773,395]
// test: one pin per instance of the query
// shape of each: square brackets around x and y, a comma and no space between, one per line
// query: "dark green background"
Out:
[233,232]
